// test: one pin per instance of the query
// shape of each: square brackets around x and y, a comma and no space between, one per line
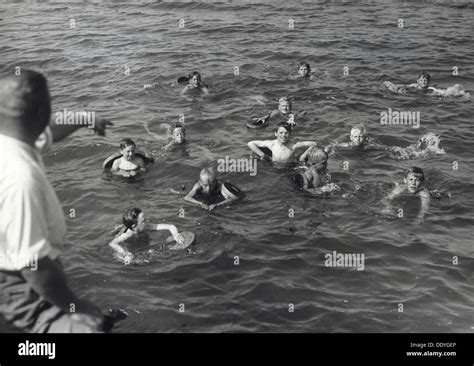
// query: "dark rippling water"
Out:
[281,258]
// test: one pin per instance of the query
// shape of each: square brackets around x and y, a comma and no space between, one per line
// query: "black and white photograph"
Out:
[237,167]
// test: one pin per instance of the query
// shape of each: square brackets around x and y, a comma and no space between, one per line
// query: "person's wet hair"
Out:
[130,217]
[360,127]
[25,101]
[304,63]
[194,73]
[426,74]
[208,173]
[318,156]
[178,125]
[126,142]
[417,172]
[285,125]
[285,99]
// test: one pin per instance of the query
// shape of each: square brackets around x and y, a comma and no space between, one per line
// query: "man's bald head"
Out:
[25,105]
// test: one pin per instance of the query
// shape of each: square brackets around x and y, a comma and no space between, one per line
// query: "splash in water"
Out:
[427,145]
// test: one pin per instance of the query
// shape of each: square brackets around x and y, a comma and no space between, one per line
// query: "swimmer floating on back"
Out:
[422,83]
[284,113]
[282,148]
[134,234]
[209,192]
[129,164]
[194,84]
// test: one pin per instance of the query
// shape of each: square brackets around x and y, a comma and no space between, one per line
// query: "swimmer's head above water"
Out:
[304,69]
[284,105]
[358,135]
[423,80]
[283,132]
[318,158]
[208,180]
[127,148]
[194,79]
[414,179]
[134,219]
[178,133]
[428,141]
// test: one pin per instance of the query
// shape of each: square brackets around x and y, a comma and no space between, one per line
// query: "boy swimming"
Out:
[129,164]
[210,193]
[413,185]
[422,83]
[315,174]
[134,234]
[284,113]
[358,139]
[195,84]
[282,149]
[304,70]
[176,136]
[427,145]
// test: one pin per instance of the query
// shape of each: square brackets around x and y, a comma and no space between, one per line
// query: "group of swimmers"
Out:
[312,175]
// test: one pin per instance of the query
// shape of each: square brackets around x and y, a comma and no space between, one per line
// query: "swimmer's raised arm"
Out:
[257,144]
[190,197]
[304,156]
[60,132]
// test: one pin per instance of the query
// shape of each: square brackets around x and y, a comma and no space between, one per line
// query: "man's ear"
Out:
[405,180]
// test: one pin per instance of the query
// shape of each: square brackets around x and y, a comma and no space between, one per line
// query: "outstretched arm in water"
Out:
[257,144]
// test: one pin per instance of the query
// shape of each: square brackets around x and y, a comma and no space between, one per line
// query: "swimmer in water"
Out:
[282,148]
[195,84]
[413,185]
[304,70]
[423,84]
[134,234]
[426,145]
[176,136]
[210,193]
[315,176]
[284,113]
[359,139]
[129,164]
